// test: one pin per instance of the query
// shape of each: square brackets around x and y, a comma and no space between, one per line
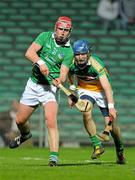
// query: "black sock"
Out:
[24,129]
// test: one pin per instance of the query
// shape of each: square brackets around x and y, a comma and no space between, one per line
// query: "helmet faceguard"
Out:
[81,47]
[63,22]
[81,63]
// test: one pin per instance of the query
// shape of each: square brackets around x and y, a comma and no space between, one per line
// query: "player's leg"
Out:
[27,105]
[51,109]
[90,124]
[91,130]
[116,134]
[47,96]
[102,103]
[22,116]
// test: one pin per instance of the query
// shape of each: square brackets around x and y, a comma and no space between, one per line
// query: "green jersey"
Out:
[53,55]
[88,78]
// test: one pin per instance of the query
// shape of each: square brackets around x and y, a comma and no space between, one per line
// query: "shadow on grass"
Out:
[84,163]
[109,163]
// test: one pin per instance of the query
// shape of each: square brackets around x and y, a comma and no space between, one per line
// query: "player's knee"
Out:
[51,122]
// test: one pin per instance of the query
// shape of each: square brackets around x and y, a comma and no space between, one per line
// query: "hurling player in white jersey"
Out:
[50,53]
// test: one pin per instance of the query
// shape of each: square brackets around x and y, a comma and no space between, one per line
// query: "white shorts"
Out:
[94,97]
[37,93]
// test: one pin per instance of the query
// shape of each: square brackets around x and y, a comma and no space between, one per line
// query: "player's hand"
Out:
[71,103]
[44,69]
[56,82]
[113,113]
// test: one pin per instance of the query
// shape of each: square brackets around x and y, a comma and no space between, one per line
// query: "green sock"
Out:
[54,153]
[95,141]
[24,129]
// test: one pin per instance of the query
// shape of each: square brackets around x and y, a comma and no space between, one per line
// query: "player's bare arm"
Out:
[71,82]
[31,54]
[63,75]
[109,94]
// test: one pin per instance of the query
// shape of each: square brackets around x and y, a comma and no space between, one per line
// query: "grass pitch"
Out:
[75,164]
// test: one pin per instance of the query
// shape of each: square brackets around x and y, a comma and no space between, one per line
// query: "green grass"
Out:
[75,164]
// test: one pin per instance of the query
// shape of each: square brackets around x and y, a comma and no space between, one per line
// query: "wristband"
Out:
[110,105]
[40,62]
[72,87]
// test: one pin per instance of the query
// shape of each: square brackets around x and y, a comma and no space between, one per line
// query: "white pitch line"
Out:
[32,158]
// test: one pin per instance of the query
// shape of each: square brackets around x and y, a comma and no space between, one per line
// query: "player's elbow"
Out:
[27,54]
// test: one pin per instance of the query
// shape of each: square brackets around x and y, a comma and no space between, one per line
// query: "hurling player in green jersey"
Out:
[93,84]
[50,53]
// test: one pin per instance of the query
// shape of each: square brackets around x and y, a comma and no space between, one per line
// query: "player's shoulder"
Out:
[68,50]
[95,59]
[96,63]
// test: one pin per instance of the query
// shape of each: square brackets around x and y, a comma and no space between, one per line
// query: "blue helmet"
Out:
[81,47]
